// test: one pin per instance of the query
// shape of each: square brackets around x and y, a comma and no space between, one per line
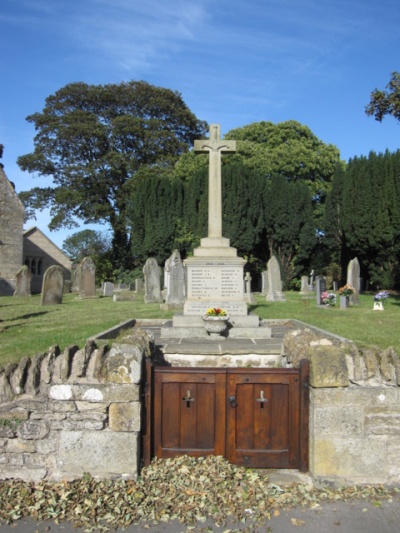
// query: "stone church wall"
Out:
[11,224]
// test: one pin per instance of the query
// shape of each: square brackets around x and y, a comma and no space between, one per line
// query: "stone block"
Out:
[338,421]
[20,446]
[33,430]
[91,406]
[383,424]
[356,460]
[123,364]
[125,416]
[26,474]
[100,453]
[250,333]
[328,367]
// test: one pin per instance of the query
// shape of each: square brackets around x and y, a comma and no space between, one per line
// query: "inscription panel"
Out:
[213,282]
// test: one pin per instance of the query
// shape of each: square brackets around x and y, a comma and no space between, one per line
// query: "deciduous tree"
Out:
[387,102]
[93,139]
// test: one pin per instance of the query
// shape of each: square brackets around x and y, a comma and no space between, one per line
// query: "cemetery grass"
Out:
[28,328]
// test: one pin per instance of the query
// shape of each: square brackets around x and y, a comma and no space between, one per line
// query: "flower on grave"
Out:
[215,311]
[346,290]
[381,296]
[328,298]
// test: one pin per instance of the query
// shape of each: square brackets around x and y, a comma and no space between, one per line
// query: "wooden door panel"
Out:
[189,410]
[261,431]
[254,417]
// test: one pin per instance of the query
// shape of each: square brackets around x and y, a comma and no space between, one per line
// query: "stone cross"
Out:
[215,146]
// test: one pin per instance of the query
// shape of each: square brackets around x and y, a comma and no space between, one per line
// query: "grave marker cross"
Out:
[215,146]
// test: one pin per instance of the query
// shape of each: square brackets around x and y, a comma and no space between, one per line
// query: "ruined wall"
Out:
[354,410]
[63,414]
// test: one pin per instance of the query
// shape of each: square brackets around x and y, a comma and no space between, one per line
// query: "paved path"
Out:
[340,517]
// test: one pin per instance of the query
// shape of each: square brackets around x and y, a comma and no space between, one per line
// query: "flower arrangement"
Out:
[215,311]
[328,298]
[346,290]
[381,296]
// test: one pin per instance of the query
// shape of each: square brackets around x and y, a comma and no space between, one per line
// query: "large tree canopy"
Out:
[289,149]
[93,139]
[384,103]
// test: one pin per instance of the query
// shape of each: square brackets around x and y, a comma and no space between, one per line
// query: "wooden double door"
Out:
[253,417]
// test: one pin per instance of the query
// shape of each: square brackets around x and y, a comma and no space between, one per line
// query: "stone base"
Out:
[215,247]
[223,361]
[240,327]
[169,307]
[184,321]
[276,296]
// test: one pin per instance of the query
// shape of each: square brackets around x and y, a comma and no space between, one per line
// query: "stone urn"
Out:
[344,302]
[215,325]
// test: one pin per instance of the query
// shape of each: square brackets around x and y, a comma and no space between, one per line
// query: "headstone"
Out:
[76,279]
[320,286]
[152,287]
[108,288]
[138,285]
[53,286]
[311,282]
[176,282]
[88,279]
[264,282]
[215,272]
[67,286]
[305,286]
[247,288]
[7,287]
[23,282]
[274,293]
[353,279]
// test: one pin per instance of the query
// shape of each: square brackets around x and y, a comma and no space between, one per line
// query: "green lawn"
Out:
[27,328]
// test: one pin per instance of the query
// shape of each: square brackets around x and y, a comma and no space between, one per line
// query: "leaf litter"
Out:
[187,489]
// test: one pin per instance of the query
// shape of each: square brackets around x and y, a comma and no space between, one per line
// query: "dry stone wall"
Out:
[64,414]
[354,409]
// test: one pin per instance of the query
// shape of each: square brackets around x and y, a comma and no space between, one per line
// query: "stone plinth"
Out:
[215,282]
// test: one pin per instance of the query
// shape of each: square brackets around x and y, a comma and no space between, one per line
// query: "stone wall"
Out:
[354,409]
[64,414]
[11,222]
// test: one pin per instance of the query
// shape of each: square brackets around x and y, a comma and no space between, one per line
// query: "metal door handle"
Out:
[232,401]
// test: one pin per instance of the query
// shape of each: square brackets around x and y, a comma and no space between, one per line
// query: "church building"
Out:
[19,247]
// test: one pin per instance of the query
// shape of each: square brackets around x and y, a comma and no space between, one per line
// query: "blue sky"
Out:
[234,62]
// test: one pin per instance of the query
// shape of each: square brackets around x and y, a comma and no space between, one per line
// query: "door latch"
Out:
[232,401]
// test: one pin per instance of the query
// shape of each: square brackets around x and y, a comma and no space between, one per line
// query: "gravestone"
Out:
[176,281]
[320,286]
[311,282]
[23,282]
[76,279]
[152,287]
[138,285]
[274,293]
[247,289]
[7,287]
[53,286]
[305,286]
[353,279]
[264,282]
[215,272]
[88,279]
[108,288]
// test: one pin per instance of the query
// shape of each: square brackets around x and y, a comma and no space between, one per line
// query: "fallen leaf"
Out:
[297,522]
